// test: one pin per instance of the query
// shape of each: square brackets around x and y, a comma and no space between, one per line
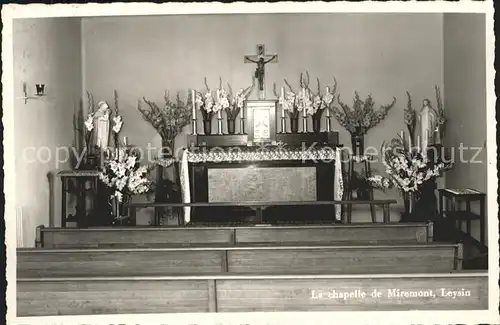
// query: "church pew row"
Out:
[116,236]
[252,293]
[240,259]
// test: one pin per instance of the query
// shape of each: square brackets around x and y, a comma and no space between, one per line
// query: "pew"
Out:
[252,293]
[181,236]
[243,258]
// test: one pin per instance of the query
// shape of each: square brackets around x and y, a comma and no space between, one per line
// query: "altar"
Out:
[264,163]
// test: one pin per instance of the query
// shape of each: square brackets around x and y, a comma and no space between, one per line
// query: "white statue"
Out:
[102,125]
[427,121]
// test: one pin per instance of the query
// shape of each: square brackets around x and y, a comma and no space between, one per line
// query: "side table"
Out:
[454,212]
[81,177]
[353,160]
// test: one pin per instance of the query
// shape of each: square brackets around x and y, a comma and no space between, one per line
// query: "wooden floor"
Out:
[239,269]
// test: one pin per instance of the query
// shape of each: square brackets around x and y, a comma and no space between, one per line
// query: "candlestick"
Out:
[193,96]
[282,106]
[194,128]
[219,121]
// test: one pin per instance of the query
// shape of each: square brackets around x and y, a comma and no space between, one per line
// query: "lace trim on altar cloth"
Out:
[320,154]
[262,154]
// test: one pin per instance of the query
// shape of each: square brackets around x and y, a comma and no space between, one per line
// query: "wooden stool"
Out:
[353,160]
[454,213]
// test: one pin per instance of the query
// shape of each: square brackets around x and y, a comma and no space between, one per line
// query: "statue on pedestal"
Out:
[427,121]
[102,125]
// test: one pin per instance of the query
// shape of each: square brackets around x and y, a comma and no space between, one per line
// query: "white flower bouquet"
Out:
[406,168]
[324,101]
[122,174]
[206,103]
[232,104]
[296,102]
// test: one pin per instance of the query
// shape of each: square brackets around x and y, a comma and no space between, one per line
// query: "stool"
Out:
[454,197]
[353,160]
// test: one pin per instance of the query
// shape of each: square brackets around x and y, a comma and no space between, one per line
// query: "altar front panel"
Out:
[262,184]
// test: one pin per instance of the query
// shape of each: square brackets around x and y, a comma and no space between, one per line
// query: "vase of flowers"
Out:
[124,177]
[358,143]
[409,171]
[206,104]
[321,102]
[296,103]
[360,118]
[168,120]
[231,104]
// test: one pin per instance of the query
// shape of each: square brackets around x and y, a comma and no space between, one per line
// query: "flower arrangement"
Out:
[169,119]
[229,103]
[323,101]
[362,116]
[407,168]
[117,121]
[410,118]
[122,174]
[206,104]
[441,119]
[296,102]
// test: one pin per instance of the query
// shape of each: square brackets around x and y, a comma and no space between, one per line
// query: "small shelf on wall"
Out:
[40,93]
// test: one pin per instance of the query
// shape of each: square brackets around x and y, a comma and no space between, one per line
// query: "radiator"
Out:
[20,226]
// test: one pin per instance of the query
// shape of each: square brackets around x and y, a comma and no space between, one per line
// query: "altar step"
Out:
[247,259]
[251,293]
[201,235]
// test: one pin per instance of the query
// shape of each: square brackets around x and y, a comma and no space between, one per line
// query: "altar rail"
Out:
[261,205]
[359,233]
[251,293]
[247,259]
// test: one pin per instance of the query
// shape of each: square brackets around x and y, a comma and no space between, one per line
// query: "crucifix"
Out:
[261,59]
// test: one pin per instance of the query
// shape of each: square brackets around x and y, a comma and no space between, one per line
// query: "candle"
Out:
[304,96]
[125,142]
[326,107]
[193,96]
[409,141]
[283,98]
[418,142]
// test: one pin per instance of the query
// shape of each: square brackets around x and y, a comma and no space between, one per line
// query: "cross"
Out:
[261,59]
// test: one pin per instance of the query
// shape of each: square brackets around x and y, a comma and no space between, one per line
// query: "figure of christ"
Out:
[259,72]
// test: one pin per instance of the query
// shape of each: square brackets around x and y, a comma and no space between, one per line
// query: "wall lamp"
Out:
[40,92]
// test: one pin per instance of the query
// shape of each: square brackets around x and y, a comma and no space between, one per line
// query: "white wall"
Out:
[45,51]
[465,100]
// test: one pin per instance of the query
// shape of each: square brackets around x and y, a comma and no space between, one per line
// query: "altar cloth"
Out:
[327,155]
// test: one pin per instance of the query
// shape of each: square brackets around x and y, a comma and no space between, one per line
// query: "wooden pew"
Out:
[240,259]
[252,293]
[181,236]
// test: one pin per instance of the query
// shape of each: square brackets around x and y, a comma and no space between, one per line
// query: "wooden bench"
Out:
[251,293]
[260,206]
[244,258]
[179,236]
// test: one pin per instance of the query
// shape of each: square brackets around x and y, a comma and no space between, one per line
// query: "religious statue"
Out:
[259,72]
[102,124]
[428,126]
